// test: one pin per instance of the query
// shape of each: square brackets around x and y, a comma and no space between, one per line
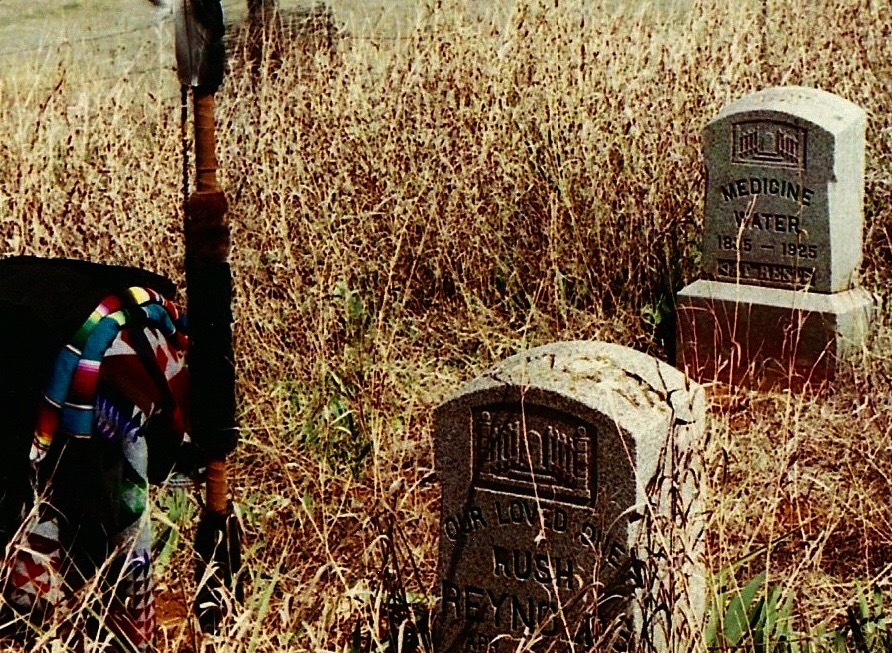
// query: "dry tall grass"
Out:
[407,212]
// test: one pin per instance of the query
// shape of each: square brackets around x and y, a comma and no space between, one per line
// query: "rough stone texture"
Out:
[768,337]
[781,245]
[785,187]
[556,469]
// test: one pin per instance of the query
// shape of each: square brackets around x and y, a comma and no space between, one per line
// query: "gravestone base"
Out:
[768,338]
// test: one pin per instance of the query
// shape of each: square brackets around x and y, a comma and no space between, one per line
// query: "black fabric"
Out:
[211,366]
[43,302]
[63,292]
[24,362]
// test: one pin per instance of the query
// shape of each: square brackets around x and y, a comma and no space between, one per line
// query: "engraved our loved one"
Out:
[518,511]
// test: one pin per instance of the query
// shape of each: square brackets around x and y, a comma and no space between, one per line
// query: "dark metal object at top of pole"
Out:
[201,54]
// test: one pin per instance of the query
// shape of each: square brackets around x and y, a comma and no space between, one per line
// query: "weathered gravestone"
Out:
[782,242]
[570,518]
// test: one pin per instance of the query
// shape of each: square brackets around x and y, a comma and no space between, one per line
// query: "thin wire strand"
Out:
[110,35]
[87,39]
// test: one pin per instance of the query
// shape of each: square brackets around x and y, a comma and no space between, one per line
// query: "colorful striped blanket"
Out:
[116,393]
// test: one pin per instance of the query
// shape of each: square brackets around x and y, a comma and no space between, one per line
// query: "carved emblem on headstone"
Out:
[767,142]
[540,454]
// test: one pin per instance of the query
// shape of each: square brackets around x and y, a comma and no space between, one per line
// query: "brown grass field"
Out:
[426,200]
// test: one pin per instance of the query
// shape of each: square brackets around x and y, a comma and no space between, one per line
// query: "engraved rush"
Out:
[522,564]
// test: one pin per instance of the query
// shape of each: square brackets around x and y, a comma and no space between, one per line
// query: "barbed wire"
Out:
[158,22]
[75,41]
[137,73]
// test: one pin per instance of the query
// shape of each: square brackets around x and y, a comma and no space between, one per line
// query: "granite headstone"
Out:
[785,171]
[782,243]
[570,518]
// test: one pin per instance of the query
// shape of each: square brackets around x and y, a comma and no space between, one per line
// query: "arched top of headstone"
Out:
[607,378]
[820,108]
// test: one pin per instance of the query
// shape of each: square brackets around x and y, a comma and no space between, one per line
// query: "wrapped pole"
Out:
[200,65]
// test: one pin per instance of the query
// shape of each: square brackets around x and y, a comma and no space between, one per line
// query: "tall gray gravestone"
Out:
[570,518]
[779,302]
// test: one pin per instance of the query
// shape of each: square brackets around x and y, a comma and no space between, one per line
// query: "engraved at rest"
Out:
[784,274]
[549,455]
[768,143]
[783,188]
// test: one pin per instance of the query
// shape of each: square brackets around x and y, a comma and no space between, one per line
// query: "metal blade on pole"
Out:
[200,52]
[201,64]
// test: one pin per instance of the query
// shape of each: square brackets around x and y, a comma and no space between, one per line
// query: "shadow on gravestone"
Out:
[782,243]
[571,478]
